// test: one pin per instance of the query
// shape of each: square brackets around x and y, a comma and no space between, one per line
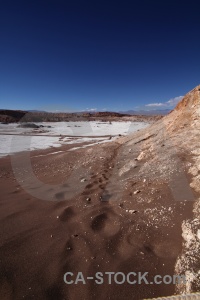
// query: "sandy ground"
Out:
[114,207]
[41,239]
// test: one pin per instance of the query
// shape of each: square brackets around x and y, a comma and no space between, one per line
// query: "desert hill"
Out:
[11,116]
[170,152]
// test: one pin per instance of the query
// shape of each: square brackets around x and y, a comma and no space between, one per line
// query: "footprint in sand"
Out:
[67,214]
[99,222]
[89,186]
[60,196]
[106,224]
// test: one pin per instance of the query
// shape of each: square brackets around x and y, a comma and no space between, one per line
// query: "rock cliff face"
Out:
[191,100]
[187,111]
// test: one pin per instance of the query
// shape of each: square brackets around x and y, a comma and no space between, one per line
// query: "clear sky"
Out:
[105,55]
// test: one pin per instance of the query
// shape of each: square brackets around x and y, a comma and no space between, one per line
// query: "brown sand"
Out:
[139,195]
[40,240]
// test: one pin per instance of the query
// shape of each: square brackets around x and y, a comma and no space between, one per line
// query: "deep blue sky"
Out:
[113,55]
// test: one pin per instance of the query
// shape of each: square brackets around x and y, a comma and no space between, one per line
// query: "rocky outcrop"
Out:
[11,116]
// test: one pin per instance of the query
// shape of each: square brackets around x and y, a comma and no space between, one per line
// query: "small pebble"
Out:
[136,192]
[132,211]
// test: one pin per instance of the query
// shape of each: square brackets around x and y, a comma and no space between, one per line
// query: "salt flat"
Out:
[15,139]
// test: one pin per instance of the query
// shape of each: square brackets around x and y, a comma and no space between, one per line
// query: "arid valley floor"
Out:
[128,205]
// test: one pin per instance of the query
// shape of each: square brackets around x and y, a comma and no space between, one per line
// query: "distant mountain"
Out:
[161,112]
[9,116]
[38,111]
